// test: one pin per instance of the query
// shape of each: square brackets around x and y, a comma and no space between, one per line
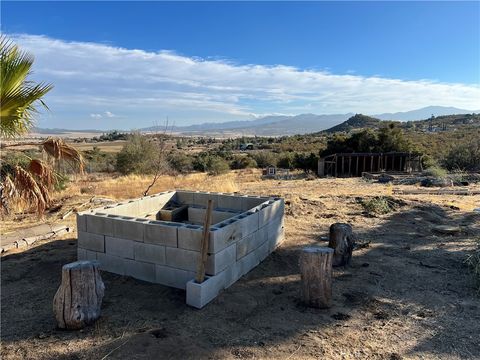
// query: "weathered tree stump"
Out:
[79,298]
[316,272]
[342,240]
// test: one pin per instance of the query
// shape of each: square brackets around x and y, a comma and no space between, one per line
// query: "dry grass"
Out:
[107,146]
[132,186]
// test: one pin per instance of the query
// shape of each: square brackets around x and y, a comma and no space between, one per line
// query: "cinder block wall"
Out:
[245,230]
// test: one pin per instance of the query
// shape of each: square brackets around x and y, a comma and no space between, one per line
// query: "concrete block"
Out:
[249,222]
[149,253]
[274,242]
[201,198]
[262,251]
[275,228]
[161,233]
[231,275]
[199,295]
[221,260]
[99,224]
[111,263]
[225,234]
[230,202]
[182,259]
[90,255]
[140,270]
[81,223]
[133,206]
[113,209]
[251,242]
[81,254]
[169,276]
[190,237]
[153,203]
[249,202]
[145,205]
[119,247]
[222,215]
[196,215]
[88,241]
[126,227]
[247,263]
[273,210]
[184,197]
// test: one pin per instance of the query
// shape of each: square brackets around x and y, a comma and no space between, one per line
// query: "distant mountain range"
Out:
[301,124]
[286,125]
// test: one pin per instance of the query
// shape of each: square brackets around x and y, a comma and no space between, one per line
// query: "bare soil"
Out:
[408,294]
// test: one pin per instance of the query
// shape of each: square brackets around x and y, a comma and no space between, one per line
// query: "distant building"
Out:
[354,164]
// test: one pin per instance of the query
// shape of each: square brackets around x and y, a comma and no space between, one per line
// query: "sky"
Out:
[128,65]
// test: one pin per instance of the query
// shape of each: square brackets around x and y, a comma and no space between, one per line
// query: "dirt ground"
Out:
[409,294]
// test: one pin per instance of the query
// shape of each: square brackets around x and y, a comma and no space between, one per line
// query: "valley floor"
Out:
[409,294]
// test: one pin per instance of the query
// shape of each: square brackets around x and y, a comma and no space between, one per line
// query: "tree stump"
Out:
[342,240]
[79,298]
[316,272]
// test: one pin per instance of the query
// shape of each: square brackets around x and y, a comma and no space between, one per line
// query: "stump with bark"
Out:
[79,298]
[316,273]
[342,240]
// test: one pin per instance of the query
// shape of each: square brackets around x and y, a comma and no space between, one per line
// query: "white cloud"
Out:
[146,86]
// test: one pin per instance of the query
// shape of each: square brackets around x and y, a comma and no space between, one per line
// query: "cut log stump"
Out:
[79,298]
[316,273]
[342,240]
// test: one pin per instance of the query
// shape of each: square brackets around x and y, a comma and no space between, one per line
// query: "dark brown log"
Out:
[316,273]
[342,240]
[79,298]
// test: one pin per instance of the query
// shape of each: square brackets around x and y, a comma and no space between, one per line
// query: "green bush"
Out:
[286,160]
[265,158]
[180,162]
[464,156]
[139,155]
[436,172]
[217,165]
[243,162]
[99,161]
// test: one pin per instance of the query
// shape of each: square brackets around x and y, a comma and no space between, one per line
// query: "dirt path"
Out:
[408,295]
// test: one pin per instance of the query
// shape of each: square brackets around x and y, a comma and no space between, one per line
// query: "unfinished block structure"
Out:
[157,238]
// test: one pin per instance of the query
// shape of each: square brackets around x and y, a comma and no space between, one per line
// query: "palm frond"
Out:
[29,190]
[8,192]
[43,172]
[60,150]
[19,97]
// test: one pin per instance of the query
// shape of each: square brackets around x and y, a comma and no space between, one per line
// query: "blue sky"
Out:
[131,64]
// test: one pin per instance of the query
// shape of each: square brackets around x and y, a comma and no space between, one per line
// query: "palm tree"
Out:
[19,101]
[19,97]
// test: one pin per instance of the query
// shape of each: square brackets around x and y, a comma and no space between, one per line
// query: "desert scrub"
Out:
[380,205]
[436,172]
[473,260]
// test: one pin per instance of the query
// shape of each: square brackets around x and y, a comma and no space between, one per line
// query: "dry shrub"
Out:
[380,205]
